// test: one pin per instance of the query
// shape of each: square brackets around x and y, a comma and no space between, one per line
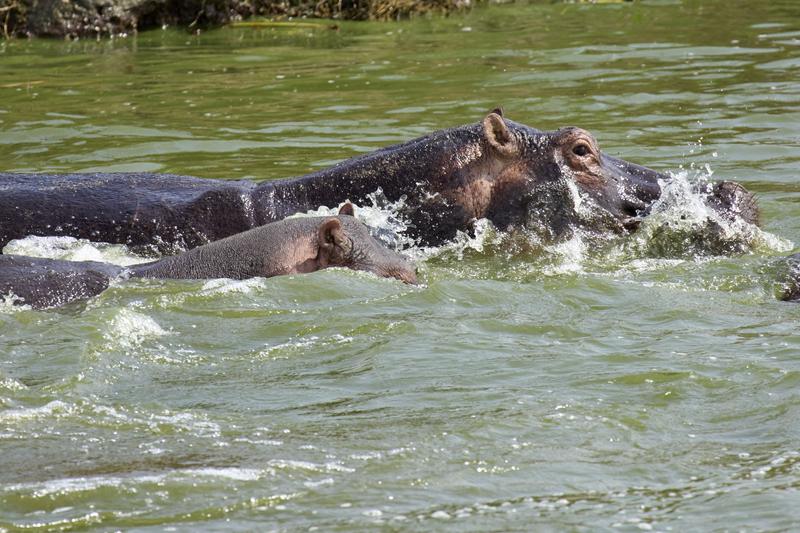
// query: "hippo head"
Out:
[346,242]
[554,181]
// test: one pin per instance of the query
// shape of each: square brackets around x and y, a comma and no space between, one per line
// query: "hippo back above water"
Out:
[508,173]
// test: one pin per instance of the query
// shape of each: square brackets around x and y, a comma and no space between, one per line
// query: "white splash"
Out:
[571,254]
[72,249]
[229,286]
[65,486]
[129,328]
[381,216]
[485,234]
[11,384]
[11,303]
[681,211]
[54,408]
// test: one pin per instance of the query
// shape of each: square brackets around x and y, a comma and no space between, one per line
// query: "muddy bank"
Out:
[90,18]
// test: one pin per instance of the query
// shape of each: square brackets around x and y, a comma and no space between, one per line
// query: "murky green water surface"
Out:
[570,390]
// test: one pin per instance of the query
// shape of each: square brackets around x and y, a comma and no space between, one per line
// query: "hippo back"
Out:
[43,283]
[162,210]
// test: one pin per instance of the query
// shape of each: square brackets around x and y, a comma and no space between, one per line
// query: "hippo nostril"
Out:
[633,207]
[632,223]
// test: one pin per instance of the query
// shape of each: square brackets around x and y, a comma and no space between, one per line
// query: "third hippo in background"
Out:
[511,174]
[790,279]
[699,220]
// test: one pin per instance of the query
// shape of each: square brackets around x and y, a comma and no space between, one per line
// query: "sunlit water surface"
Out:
[631,384]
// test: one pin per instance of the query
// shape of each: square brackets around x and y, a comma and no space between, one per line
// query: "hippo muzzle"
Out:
[637,186]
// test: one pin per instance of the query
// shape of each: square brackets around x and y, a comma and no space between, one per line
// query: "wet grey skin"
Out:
[734,202]
[790,279]
[292,246]
[44,283]
[509,173]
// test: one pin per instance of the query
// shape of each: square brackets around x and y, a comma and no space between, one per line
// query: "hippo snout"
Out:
[408,276]
[398,268]
[638,186]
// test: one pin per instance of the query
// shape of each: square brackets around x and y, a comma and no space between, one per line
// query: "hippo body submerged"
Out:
[43,283]
[506,172]
[291,246]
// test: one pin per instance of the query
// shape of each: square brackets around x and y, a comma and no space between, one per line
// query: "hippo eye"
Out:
[580,150]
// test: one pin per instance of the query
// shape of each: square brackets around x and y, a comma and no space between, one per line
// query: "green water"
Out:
[572,390]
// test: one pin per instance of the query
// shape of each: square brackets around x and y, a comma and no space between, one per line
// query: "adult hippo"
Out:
[506,172]
[291,246]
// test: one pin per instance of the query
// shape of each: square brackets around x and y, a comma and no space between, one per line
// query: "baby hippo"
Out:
[291,246]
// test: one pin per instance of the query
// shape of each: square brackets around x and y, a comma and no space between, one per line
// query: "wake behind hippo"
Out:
[291,246]
[508,173]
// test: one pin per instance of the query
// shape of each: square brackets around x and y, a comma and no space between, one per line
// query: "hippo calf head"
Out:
[346,242]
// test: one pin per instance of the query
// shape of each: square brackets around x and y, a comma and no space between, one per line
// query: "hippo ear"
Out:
[347,209]
[333,242]
[499,136]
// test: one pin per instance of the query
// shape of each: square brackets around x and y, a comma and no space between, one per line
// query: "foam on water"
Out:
[144,421]
[650,264]
[303,345]
[148,421]
[129,328]
[72,249]
[236,474]
[65,486]
[309,466]
[9,303]
[52,409]
[228,286]
[11,384]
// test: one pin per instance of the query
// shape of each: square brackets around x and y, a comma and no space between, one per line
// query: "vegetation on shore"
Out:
[90,18]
